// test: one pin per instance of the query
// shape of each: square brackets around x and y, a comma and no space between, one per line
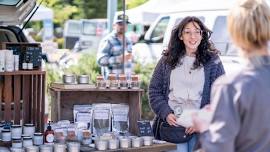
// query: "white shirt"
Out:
[186,85]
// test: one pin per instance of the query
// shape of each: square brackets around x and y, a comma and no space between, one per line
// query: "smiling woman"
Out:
[182,80]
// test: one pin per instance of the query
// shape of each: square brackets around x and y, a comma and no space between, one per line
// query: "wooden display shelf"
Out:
[23,72]
[22,95]
[63,101]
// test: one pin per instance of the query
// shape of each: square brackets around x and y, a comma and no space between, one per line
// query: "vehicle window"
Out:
[220,37]
[74,28]
[89,28]
[7,36]
[101,28]
[9,2]
[158,32]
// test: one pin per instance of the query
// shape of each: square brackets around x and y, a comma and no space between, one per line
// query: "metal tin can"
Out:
[16,142]
[60,147]
[27,141]
[38,138]
[45,148]
[113,144]
[16,131]
[74,147]
[6,135]
[29,129]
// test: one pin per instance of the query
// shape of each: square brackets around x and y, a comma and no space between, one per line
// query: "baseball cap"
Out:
[120,19]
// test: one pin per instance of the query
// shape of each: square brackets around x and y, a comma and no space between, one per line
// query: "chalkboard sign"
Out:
[145,128]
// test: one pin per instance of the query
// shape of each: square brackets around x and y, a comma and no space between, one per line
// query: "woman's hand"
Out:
[190,130]
[171,119]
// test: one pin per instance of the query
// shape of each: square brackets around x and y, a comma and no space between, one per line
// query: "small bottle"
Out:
[25,63]
[49,134]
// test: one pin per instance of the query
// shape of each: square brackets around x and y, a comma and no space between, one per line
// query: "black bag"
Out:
[163,131]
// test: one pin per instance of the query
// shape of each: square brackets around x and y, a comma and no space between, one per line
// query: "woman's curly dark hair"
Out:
[176,49]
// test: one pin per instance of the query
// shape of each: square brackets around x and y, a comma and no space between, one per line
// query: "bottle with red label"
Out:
[49,134]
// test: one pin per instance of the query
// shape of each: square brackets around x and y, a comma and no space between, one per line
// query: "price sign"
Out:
[145,128]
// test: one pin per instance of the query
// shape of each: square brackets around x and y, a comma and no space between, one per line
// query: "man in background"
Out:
[110,52]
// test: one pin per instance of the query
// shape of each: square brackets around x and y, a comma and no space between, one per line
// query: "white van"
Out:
[84,33]
[158,36]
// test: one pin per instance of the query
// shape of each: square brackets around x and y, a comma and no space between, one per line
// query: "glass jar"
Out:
[16,131]
[27,141]
[135,84]
[123,81]
[38,138]
[101,83]
[113,81]
[29,129]
[16,142]
[6,135]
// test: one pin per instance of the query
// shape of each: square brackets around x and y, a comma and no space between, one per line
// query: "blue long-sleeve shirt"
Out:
[241,103]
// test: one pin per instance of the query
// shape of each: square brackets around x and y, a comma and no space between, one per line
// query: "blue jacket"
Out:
[160,82]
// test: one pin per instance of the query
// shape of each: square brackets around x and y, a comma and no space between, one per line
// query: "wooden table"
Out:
[63,101]
[153,148]
[22,97]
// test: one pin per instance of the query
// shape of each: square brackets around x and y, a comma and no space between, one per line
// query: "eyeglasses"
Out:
[197,32]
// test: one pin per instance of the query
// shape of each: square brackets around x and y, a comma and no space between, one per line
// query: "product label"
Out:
[49,138]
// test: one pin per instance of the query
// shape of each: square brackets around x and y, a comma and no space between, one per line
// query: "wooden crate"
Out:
[63,101]
[22,95]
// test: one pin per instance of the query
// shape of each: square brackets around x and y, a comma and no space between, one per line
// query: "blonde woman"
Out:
[240,103]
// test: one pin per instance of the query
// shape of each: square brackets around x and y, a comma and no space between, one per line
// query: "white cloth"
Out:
[186,85]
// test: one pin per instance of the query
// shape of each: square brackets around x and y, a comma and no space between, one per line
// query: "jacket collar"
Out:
[258,61]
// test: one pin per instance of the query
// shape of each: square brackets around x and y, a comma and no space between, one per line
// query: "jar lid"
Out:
[25,135]
[38,134]
[16,126]
[32,148]
[68,75]
[60,145]
[84,76]
[29,125]
[5,130]
[27,138]
[45,147]
[16,139]
[100,77]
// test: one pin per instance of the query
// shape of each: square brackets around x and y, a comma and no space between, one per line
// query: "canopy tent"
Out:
[149,11]
[43,13]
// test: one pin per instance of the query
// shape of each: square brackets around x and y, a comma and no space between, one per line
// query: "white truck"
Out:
[158,35]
